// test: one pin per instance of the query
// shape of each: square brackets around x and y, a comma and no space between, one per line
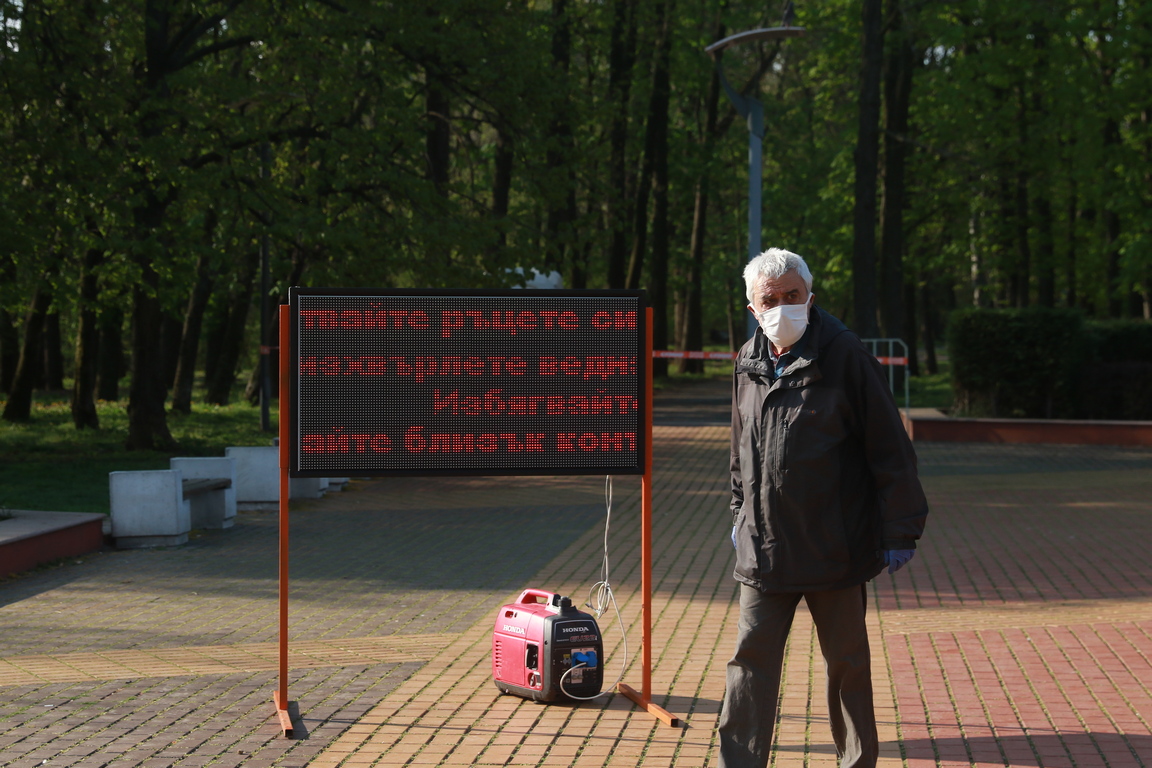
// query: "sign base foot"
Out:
[658,712]
[282,713]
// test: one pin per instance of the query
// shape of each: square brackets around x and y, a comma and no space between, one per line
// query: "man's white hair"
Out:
[773,263]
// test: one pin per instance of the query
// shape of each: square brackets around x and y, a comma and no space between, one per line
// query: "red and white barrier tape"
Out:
[678,355]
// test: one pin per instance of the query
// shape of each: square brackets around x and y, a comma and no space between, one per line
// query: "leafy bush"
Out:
[1116,378]
[1010,362]
[1119,341]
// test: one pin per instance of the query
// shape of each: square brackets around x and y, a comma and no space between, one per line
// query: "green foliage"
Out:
[1119,341]
[1015,362]
[47,464]
[309,124]
[931,390]
[1116,378]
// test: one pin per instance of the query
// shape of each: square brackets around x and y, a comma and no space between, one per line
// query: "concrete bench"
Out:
[258,478]
[149,508]
[209,486]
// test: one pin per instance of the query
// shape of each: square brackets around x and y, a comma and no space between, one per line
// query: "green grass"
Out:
[46,463]
[933,391]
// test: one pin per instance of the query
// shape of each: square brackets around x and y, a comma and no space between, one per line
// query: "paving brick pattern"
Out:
[1021,634]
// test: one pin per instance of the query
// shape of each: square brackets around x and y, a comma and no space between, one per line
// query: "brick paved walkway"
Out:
[1020,635]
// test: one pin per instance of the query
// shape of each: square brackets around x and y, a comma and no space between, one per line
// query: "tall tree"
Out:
[867,164]
[898,71]
[690,329]
[622,53]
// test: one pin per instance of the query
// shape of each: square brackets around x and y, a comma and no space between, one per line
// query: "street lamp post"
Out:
[265,341]
[753,112]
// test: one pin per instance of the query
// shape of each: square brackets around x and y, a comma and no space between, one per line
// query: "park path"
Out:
[1021,634]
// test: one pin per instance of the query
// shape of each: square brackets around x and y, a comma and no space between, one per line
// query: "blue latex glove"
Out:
[895,559]
[733,537]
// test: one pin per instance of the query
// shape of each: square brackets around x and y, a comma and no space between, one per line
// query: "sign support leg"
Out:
[643,697]
[280,695]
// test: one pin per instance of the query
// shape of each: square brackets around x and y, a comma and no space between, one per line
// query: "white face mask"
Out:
[784,324]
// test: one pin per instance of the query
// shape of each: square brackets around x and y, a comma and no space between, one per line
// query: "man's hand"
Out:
[895,559]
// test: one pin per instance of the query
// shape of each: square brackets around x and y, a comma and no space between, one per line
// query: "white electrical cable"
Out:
[603,592]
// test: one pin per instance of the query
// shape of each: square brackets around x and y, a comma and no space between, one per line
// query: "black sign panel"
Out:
[463,382]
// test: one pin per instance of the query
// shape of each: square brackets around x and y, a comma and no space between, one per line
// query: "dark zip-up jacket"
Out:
[823,473]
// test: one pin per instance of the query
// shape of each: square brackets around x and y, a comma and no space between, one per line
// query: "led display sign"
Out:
[463,382]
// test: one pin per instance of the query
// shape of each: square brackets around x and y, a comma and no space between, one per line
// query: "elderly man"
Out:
[824,495]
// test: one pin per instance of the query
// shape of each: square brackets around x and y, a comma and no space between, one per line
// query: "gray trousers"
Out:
[750,701]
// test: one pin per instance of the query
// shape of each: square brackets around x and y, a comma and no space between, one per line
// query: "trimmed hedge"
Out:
[1116,381]
[1049,363]
[1015,362]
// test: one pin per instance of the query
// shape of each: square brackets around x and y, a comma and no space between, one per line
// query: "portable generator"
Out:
[545,649]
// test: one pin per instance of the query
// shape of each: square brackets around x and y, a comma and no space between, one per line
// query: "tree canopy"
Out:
[921,155]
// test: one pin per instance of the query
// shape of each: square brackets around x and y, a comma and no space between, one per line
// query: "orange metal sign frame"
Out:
[642,698]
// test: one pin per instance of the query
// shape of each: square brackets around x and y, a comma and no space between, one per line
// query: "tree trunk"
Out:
[171,331]
[655,151]
[1112,252]
[216,329]
[561,153]
[1005,232]
[692,320]
[502,183]
[867,162]
[84,413]
[621,57]
[299,262]
[898,72]
[1022,274]
[1045,252]
[661,227]
[9,350]
[976,278]
[9,334]
[147,422]
[185,376]
[19,405]
[928,324]
[911,337]
[1073,214]
[53,373]
[110,366]
[732,312]
[232,342]
[1045,220]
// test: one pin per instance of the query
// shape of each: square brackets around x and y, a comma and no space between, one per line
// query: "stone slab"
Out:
[148,506]
[214,509]
[30,538]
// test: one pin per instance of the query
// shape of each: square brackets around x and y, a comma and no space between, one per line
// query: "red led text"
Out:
[418,440]
[495,403]
[508,321]
[590,442]
[364,319]
[420,366]
[601,366]
[339,441]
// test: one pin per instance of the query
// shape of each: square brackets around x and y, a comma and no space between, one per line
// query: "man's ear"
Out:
[752,310]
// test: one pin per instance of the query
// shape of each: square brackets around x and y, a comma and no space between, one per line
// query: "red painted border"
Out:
[27,553]
[945,430]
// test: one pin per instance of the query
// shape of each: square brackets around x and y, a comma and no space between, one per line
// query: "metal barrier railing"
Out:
[884,351]
[889,359]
